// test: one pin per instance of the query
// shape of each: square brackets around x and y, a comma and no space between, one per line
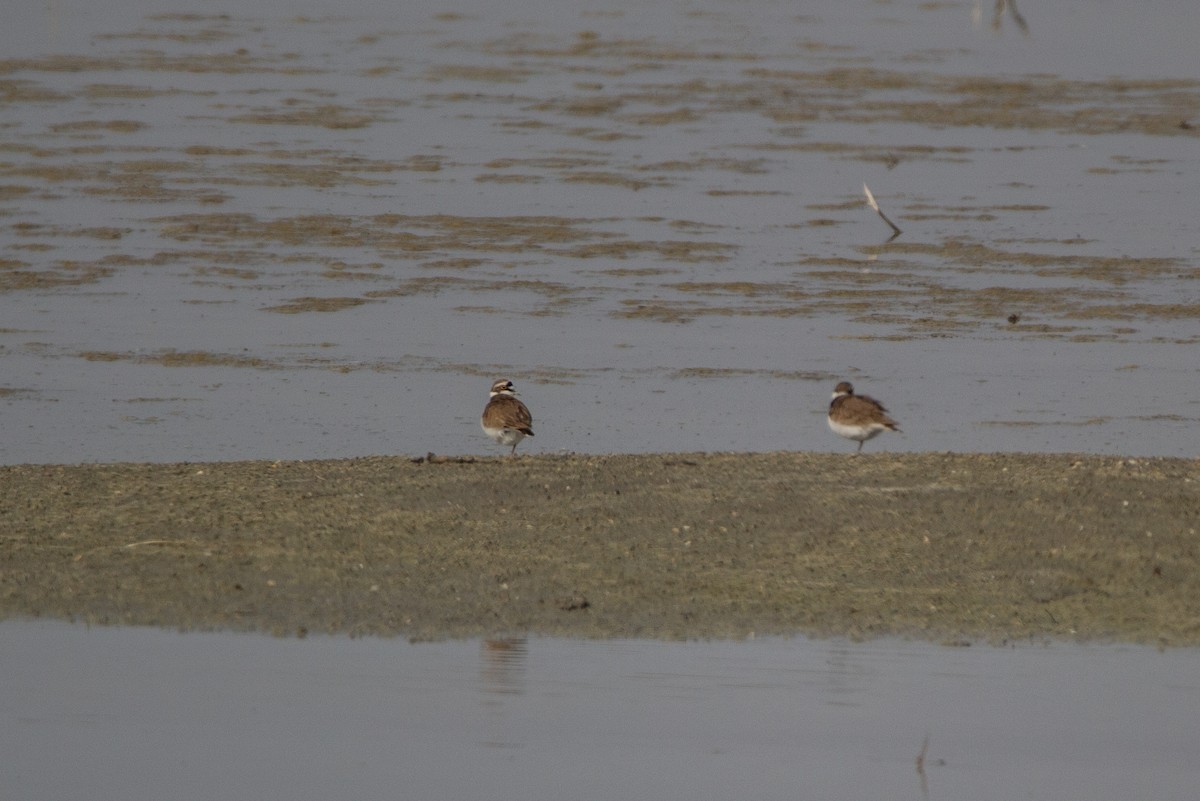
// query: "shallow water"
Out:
[142,713]
[319,229]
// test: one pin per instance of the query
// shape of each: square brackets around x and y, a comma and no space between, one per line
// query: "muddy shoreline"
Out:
[946,547]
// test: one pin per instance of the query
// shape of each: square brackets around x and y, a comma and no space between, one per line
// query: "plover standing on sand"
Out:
[505,419]
[857,416]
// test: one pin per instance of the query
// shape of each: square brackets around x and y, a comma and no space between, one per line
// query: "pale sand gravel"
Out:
[951,548]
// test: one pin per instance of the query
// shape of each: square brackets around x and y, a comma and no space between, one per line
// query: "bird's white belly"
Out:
[862,433]
[504,436]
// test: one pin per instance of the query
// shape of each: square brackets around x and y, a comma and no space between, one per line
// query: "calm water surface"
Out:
[147,714]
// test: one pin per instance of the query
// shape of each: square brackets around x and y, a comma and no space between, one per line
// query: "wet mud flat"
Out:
[951,548]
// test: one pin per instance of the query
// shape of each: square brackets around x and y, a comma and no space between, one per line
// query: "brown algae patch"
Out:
[233,62]
[98,126]
[890,156]
[465,72]
[26,91]
[388,232]
[899,295]
[860,95]
[434,234]
[974,256]
[435,284]
[631,52]
[122,91]
[299,305]
[325,115]
[856,94]
[18,275]
[174,358]
[1140,311]
[614,179]
[1091,421]
[686,373]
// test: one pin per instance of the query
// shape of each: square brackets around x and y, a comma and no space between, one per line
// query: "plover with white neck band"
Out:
[505,419]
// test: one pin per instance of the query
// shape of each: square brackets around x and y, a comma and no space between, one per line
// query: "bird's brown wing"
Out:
[863,409]
[505,411]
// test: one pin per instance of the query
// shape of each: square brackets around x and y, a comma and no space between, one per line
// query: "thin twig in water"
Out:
[921,765]
[871,202]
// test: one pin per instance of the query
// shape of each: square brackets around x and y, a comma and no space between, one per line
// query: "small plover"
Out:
[857,416]
[505,419]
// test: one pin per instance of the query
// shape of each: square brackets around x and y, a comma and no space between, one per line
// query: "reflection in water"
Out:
[502,662]
[1011,7]
[502,665]
[998,15]
[921,767]
[842,674]
[52,26]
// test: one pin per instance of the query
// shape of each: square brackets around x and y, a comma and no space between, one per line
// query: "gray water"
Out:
[649,216]
[147,714]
